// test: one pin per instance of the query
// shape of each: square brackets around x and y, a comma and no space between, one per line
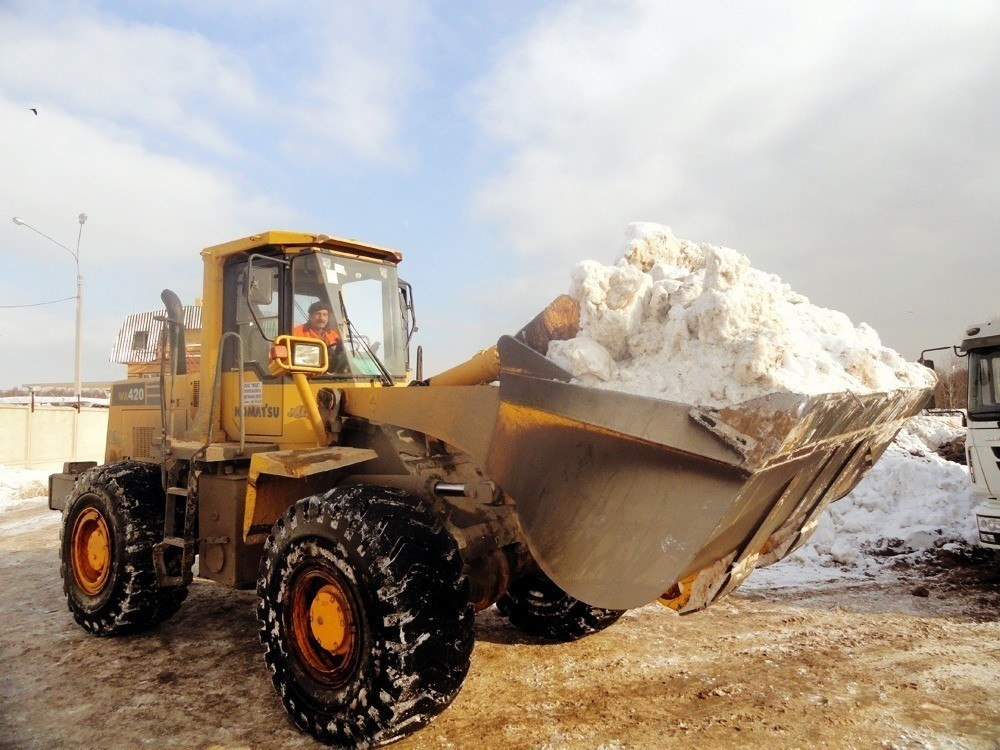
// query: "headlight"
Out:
[306,355]
[990,524]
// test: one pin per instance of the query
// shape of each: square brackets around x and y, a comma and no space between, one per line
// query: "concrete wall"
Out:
[43,438]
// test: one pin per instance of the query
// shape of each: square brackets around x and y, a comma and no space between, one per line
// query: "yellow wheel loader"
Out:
[376,511]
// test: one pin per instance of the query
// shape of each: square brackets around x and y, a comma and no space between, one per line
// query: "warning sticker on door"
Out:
[253,393]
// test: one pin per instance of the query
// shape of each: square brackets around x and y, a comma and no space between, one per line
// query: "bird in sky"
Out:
[33,110]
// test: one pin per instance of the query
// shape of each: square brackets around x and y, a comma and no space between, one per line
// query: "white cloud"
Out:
[142,125]
[139,201]
[109,71]
[822,140]
[331,82]
[150,214]
[360,80]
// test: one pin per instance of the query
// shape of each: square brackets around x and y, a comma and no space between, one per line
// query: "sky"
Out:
[851,148]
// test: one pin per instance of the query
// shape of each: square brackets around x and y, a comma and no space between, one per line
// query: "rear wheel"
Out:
[365,615]
[536,605]
[112,519]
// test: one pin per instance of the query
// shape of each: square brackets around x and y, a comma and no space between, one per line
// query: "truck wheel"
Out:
[536,605]
[112,519]
[364,615]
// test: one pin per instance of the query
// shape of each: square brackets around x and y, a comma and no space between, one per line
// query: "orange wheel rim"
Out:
[90,548]
[322,620]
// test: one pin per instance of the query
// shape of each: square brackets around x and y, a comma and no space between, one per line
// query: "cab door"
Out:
[254,308]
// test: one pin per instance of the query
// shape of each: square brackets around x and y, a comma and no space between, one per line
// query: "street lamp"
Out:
[82,218]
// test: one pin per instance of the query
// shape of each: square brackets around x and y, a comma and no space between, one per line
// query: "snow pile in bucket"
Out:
[695,323]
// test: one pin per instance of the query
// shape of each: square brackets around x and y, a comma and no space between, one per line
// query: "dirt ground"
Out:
[855,664]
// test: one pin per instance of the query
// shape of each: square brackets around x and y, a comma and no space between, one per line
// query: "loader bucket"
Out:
[623,498]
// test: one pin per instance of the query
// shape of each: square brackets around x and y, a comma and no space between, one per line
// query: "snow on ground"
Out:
[694,323]
[86,401]
[18,486]
[934,430]
[21,491]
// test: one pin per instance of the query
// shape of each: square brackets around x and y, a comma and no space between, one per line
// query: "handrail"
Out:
[217,389]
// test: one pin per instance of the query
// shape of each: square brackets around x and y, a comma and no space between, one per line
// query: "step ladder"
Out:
[177,538]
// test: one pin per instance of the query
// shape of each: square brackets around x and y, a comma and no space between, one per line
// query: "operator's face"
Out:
[319,319]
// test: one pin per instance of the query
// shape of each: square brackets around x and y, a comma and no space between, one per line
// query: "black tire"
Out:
[124,504]
[404,640]
[536,605]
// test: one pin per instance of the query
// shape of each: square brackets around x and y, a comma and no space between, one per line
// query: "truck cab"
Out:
[982,343]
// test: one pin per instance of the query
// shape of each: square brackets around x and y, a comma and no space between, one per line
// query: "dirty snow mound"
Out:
[18,485]
[912,501]
[692,322]
[934,431]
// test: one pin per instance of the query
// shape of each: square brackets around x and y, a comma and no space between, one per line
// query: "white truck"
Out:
[982,445]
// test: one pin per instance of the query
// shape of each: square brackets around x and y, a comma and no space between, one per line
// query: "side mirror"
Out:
[260,290]
[407,310]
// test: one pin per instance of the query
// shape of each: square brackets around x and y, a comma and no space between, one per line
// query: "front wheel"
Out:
[364,614]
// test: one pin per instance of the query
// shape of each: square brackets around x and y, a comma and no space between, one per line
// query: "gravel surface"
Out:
[910,659]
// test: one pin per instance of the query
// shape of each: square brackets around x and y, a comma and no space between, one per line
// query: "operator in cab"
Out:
[318,326]
[321,326]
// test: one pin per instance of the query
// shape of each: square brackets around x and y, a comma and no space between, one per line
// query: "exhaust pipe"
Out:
[175,316]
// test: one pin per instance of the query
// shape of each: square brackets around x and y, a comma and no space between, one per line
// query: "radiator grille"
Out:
[142,442]
[196,393]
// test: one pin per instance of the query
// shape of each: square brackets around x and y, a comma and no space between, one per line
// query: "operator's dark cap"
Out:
[318,305]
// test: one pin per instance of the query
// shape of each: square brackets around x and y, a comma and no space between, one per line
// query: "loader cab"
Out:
[268,283]
[270,292]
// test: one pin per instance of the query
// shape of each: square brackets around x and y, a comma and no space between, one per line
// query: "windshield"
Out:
[354,306]
[984,377]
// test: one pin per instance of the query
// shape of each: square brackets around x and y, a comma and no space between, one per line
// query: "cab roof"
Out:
[297,241]
[981,336]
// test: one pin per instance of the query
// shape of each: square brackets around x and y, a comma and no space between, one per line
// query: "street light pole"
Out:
[79,309]
[82,218]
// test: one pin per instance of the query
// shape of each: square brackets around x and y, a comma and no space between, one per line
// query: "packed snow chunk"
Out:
[585,358]
[695,323]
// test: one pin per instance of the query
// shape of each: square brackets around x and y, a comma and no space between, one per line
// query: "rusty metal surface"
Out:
[267,496]
[302,463]
[557,322]
[612,518]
